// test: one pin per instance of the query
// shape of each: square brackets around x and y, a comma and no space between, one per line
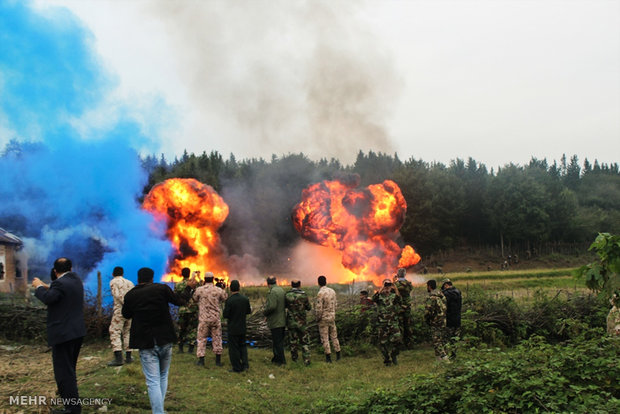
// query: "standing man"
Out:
[365,301]
[325,311]
[435,317]
[236,308]
[276,319]
[187,315]
[404,314]
[119,326]
[388,331]
[152,331]
[613,317]
[64,298]
[454,302]
[209,298]
[297,305]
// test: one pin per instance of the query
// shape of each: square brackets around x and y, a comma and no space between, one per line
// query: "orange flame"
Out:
[194,212]
[363,223]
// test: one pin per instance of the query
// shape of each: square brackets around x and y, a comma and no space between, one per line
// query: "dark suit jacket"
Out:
[454,302]
[235,309]
[147,307]
[65,308]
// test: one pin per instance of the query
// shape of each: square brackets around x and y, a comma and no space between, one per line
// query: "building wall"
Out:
[11,282]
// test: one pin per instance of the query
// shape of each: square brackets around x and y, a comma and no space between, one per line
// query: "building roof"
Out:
[8,238]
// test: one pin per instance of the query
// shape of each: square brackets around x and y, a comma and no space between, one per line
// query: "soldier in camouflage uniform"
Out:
[404,315]
[388,305]
[325,312]
[297,305]
[209,298]
[435,316]
[613,319]
[188,321]
[119,326]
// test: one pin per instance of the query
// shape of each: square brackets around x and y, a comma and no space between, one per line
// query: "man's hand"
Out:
[36,282]
[192,283]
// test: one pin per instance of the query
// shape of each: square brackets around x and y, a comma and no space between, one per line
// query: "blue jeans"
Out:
[155,364]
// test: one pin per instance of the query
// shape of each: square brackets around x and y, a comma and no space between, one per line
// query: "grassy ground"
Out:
[26,370]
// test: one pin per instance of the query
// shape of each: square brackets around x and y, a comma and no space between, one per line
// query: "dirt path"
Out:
[26,370]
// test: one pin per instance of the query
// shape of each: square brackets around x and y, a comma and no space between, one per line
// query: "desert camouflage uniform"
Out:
[613,319]
[389,305]
[404,313]
[209,298]
[119,326]
[297,304]
[325,311]
[187,317]
[435,316]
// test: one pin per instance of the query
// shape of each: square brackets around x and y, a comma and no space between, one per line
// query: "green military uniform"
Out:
[275,313]
[435,316]
[388,305]
[297,304]
[188,317]
[404,315]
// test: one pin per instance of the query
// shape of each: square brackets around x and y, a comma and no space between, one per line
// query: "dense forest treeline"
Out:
[520,207]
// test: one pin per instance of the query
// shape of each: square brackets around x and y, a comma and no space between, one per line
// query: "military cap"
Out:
[446,280]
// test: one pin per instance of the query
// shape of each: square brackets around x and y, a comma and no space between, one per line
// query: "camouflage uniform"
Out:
[613,319]
[210,299]
[405,319]
[119,286]
[435,316]
[325,311]
[389,305]
[187,317]
[297,304]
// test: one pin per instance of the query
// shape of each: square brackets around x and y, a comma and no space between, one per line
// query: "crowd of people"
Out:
[142,320]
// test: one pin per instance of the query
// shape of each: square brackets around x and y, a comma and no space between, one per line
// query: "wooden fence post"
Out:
[99,310]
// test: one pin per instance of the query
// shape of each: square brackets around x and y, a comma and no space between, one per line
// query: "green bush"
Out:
[578,376]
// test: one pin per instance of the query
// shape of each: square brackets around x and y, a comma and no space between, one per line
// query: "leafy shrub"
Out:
[576,376]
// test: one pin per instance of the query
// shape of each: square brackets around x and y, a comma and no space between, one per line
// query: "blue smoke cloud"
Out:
[63,193]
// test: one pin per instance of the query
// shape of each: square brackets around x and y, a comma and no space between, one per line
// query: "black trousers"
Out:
[277,337]
[238,352]
[64,360]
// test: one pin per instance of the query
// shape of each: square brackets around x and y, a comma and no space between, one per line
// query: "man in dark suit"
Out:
[235,310]
[64,298]
[152,331]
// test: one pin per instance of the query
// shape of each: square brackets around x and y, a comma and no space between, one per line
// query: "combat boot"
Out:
[128,358]
[180,348]
[218,360]
[338,356]
[294,356]
[190,348]
[394,361]
[328,358]
[200,361]
[386,359]
[118,359]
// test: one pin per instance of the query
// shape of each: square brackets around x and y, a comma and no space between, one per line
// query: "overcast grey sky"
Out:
[499,80]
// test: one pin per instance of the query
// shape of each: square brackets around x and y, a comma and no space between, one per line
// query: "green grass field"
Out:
[25,369]
[263,389]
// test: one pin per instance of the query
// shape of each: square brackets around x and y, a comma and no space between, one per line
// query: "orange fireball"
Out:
[194,212]
[363,223]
